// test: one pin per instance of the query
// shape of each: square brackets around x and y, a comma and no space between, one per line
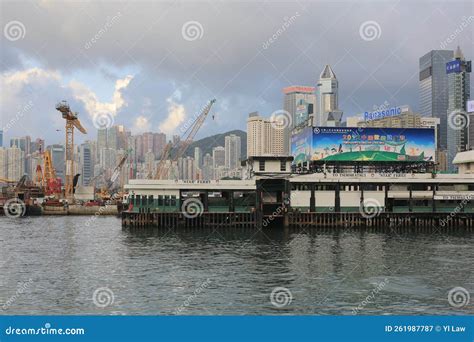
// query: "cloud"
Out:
[141,124]
[176,116]
[229,62]
[93,105]
[28,99]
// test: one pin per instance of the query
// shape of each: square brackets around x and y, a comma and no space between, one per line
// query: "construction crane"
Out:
[182,146]
[114,176]
[71,122]
[117,169]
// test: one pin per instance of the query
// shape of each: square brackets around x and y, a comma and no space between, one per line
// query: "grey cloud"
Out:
[230,60]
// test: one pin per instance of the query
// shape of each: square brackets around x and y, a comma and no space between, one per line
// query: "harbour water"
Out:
[54,265]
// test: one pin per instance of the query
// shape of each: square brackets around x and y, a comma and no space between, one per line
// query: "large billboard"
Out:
[453,67]
[301,113]
[373,144]
[301,145]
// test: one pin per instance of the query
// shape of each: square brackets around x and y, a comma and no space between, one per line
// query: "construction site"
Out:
[47,194]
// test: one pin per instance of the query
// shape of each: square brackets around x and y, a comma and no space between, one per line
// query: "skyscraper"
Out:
[293,97]
[233,146]
[327,99]
[23,143]
[1,138]
[58,159]
[12,162]
[433,89]
[107,158]
[198,157]
[218,156]
[86,163]
[113,137]
[159,142]
[3,162]
[458,71]
[207,167]
[263,137]
[16,163]
[101,139]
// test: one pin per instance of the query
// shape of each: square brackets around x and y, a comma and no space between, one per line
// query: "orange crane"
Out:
[180,145]
[71,122]
[49,179]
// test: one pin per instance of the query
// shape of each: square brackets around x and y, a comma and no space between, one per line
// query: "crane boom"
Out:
[182,147]
[116,171]
[71,122]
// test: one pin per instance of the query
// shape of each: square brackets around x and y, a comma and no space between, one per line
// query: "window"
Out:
[261,165]
[282,165]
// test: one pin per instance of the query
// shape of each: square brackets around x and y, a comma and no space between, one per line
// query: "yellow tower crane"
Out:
[71,122]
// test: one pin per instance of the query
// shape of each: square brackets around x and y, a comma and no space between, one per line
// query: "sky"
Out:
[152,65]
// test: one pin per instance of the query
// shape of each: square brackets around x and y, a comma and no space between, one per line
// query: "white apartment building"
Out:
[263,137]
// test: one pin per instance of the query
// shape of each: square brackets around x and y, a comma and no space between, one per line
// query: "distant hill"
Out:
[207,144]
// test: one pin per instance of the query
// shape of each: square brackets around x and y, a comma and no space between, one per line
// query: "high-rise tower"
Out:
[458,71]
[433,89]
[327,99]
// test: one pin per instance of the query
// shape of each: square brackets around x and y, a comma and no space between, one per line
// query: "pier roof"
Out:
[448,178]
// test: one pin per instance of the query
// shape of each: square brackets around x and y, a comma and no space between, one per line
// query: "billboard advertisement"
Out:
[301,145]
[373,144]
[381,114]
[301,113]
[453,66]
